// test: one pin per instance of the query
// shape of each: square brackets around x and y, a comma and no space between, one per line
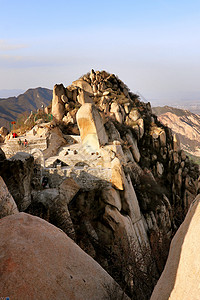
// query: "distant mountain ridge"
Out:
[5,93]
[32,99]
[185,124]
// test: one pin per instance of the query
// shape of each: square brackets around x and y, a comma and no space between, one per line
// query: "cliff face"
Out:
[122,188]
[126,225]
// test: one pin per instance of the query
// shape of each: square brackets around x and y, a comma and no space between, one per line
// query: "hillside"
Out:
[185,124]
[12,107]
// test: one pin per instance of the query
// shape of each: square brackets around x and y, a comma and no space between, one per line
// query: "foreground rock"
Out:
[180,278]
[38,261]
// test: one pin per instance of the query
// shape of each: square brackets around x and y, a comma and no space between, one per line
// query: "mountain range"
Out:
[11,108]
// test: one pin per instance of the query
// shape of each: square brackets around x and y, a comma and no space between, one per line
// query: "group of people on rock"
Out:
[25,143]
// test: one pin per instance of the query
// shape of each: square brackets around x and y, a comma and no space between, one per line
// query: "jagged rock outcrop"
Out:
[152,183]
[180,278]
[7,203]
[39,261]
[132,188]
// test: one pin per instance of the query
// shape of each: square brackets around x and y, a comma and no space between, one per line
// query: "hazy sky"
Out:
[152,45]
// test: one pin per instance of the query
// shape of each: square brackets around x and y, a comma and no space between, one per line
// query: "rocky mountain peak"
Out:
[117,178]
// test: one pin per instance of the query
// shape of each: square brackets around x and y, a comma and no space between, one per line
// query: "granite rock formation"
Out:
[152,181]
[121,186]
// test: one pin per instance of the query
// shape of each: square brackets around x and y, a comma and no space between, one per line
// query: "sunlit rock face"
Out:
[180,278]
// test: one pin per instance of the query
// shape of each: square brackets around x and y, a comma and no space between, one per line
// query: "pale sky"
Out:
[152,45]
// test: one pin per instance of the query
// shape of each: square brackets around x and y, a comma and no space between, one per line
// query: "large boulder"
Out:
[180,278]
[90,123]
[7,203]
[39,261]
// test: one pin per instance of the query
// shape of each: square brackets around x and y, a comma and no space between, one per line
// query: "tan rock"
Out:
[83,97]
[84,85]
[117,174]
[58,107]
[180,278]
[55,141]
[112,197]
[162,137]
[91,127]
[3,132]
[39,261]
[134,148]
[140,123]
[160,169]
[176,143]
[7,203]
[115,109]
[134,114]
[68,189]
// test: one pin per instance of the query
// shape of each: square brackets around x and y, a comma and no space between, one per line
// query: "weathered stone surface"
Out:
[160,169]
[84,85]
[176,143]
[55,141]
[7,203]
[68,189]
[117,174]
[162,137]
[115,109]
[140,123]
[83,97]
[91,126]
[134,115]
[38,261]
[3,132]
[134,148]
[112,197]
[16,173]
[58,106]
[180,278]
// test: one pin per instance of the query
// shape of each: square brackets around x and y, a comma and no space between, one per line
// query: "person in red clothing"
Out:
[25,143]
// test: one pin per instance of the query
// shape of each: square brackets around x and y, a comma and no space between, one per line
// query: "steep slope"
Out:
[185,124]
[32,99]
